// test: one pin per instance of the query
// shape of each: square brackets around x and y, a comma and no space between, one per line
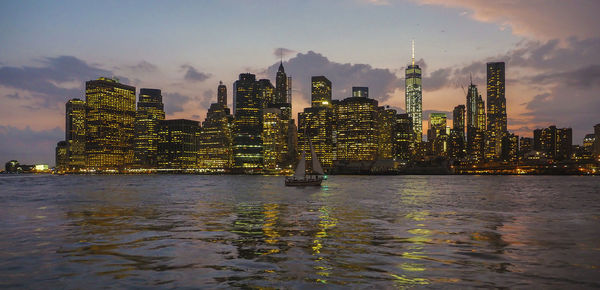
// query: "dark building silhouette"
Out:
[222,95]
[510,148]
[597,142]
[475,117]
[150,111]
[75,135]
[61,156]
[178,144]
[110,120]
[458,120]
[496,110]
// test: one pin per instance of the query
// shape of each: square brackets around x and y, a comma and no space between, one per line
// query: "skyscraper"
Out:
[414,97]
[215,149]
[150,110]
[360,92]
[109,124]
[597,142]
[402,137]
[250,99]
[178,144]
[75,134]
[320,92]
[557,143]
[222,94]
[357,122]
[275,139]
[458,120]
[496,110]
[475,125]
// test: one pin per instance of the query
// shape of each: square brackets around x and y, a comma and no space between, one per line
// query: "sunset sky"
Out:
[50,48]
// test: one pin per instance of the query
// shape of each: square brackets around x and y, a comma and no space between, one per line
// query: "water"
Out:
[193,231]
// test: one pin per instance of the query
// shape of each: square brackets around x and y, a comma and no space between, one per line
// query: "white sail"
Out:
[316,165]
[301,168]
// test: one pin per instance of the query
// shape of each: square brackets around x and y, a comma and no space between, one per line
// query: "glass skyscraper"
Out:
[150,111]
[414,98]
[75,134]
[496,110]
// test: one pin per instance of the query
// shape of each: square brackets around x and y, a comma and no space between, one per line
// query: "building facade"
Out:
[496,110]
[110,116]
[178,144]
[75,135]
[555,142]
[150,111]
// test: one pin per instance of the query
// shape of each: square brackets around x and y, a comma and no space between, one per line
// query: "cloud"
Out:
[143,66]
[534,19]
[381,82]
[585,77]
[55,81]
[28,146]
[193,75]
[175,102]
[283,52]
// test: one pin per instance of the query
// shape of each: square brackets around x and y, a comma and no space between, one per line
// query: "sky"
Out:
[50,48]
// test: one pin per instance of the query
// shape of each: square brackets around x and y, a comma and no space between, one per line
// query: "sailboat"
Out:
[300,178]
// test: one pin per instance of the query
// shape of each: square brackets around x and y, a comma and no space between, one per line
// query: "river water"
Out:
[165,231]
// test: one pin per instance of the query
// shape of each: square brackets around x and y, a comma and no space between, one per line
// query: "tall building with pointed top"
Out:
[414,97]
[475,124]
[496,110]
[222,94]
[150,110]
[215,150]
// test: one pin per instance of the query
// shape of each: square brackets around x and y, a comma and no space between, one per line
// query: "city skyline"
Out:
[37,82]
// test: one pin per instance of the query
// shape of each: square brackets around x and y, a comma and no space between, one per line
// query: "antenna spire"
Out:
[471,75]
[413,52]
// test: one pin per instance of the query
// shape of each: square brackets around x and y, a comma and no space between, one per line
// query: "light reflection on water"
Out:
[251,231]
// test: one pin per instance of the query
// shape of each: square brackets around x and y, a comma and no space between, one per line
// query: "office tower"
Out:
[402,137]
[496,110]
[249,101]
[215,144]
[283,93]
[437,125]
[61,156]
[475,113]
[458,120]
[556,143]
[275,139]
[386,124]
[414,97]
[510,148]
[178,145]
[436,135]
[222,94]
[150,110]
[110,120]
[597,142]
[320,92]
[588,146]
[356,122]
[317,123]
[362,92]
[266,93]
[525,145]
[75,135]
[215,148]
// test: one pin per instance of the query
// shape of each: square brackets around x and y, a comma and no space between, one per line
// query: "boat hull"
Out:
[303,182]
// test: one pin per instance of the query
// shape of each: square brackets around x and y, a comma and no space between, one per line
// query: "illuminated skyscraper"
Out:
[557,143]
[437,135]
[386,125]
[150,111]
[62,160]
[458,120]
[357,135]
[414,97]
[222,95]
[320,92]
[275,139]
[360,92]
[215,148]
[317,122]
[178,144]
[475,125]
[496,110]
[109,124]
[402,137]
[75,134]
[250,98]
[283,93]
